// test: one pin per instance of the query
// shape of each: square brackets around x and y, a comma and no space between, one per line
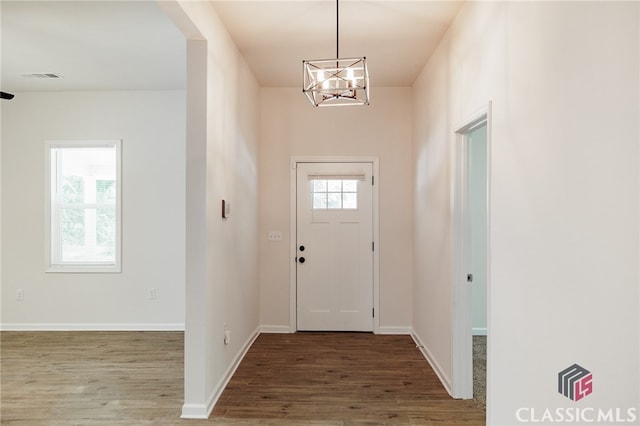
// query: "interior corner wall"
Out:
[563,78]
[290,126]
[222,164]
[151,126]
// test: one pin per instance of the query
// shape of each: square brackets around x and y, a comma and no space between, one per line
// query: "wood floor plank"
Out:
[136,378]
[349,377]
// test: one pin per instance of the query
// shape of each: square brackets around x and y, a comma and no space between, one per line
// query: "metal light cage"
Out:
[336,82]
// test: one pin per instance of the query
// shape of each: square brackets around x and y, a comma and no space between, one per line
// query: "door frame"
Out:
[462,341]
[293,197]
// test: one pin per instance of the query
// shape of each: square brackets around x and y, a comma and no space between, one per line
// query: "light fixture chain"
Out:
[337,30]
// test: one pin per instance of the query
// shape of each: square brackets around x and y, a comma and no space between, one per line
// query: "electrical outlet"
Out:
[20,295]
[227,337]
[151,294]
[274,236]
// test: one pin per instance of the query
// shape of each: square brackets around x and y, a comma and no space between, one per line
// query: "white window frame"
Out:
[52,253]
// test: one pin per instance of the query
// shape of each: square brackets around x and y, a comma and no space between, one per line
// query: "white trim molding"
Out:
[202,411]
[444,379]
[461,339]
[194,411]
[275,329]
[90,327]
[394,330]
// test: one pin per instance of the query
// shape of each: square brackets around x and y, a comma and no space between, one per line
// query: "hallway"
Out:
[340,378]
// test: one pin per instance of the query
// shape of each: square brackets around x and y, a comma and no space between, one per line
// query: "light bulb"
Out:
[322,80]
[351,77]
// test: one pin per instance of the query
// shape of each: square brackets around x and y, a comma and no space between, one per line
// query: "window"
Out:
[335,194]
[83,206]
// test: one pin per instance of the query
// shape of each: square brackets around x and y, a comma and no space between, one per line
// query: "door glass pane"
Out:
[334,200]
[319,185]
[349,200]
[350,185]
[335,193]
[320,200]
[335,186]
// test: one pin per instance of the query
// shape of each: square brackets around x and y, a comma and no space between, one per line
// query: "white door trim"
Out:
[462,355]
[293,326]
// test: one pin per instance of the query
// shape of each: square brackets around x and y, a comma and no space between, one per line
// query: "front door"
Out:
[334,246]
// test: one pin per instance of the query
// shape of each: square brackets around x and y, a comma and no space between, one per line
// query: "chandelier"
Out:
[336,82]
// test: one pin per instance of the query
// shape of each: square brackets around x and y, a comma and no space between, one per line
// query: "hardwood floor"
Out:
[136,378]
[91,378]
[355,378]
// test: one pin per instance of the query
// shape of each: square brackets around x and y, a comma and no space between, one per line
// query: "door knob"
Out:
[301,248]
[301,259]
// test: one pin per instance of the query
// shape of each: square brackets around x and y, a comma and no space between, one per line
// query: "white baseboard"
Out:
[446,382]
[89,327]
[200,411]
[194,411]
[282,329]
[394,330]
[477,331]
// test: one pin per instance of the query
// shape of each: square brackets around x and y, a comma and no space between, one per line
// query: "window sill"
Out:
[84,269]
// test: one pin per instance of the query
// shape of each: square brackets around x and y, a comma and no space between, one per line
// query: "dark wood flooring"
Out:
[136,378]
[339,378]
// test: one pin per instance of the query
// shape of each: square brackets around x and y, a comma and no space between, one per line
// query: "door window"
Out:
[334,194]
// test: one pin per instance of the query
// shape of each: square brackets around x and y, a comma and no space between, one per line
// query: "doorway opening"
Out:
[471,278]
[334,274]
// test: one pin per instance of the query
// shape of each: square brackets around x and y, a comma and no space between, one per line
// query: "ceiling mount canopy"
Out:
[336,82]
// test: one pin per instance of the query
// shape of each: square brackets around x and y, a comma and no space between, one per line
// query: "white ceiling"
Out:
[397,37]
[126,45]
[93,45]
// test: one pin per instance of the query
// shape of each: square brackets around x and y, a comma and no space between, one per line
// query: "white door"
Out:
[334,246]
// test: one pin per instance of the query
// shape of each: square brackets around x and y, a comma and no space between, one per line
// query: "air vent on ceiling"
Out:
[40,75]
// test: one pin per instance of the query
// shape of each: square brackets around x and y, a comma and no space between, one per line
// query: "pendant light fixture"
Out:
[336,82]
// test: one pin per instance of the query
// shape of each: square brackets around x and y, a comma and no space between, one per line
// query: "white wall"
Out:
[564,213]
[292,127]
[151,126]
[222,163]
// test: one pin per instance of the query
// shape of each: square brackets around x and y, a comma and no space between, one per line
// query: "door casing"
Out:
[293,326]
[462,351]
